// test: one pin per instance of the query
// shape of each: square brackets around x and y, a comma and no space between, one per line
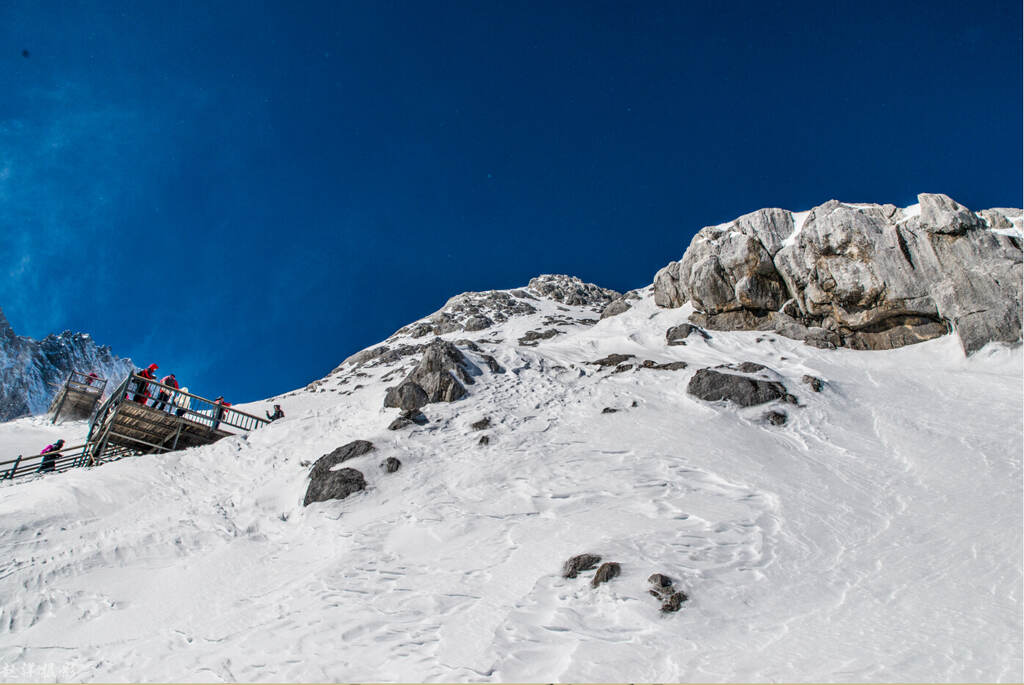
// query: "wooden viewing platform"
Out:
[134,420]
[78,396]
[135,417]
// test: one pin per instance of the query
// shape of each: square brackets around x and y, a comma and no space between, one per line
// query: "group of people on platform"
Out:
[170,397]
[180,402]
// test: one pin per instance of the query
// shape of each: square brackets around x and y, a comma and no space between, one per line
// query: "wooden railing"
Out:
[184,404]
[60,460]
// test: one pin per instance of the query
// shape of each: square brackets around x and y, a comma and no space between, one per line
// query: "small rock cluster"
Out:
[661,585]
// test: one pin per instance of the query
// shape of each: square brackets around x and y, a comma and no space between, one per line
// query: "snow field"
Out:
[876,536]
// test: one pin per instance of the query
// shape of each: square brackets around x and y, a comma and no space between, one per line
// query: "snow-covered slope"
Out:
[877,535]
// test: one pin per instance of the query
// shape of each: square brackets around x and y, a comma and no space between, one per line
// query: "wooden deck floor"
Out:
[146,428]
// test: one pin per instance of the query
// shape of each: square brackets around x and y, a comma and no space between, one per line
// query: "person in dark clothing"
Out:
[278,413]
[163,398]
[142,387]
[50,454]
[218,410]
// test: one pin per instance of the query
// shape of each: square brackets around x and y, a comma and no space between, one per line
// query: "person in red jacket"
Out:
[141,387]
[163,398]
[218,410]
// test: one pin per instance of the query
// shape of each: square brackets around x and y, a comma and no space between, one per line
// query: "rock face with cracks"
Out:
[859,276]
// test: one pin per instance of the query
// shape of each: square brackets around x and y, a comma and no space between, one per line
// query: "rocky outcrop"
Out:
[614,308]
[327,482]
[435,379]
[32,372]
[858,276]
[391,464]
[571,290]
[713,386]
[677,335]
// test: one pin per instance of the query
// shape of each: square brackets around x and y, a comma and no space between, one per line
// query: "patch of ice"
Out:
[798,224]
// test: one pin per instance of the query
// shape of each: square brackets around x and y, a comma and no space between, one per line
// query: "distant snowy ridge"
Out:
[32,372]
[863,276]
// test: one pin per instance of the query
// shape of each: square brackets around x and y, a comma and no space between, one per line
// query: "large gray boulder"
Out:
[326,481]
[714,386]
[436,378]
[860,276]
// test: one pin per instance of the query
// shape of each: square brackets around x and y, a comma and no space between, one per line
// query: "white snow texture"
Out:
[877,536]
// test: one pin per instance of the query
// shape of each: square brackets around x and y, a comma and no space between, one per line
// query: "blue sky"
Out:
[247,193]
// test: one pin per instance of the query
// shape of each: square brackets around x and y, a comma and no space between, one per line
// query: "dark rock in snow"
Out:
[606,572]
[712,386]
[622,368]
[531,338]
[391,464]
[356,448]
[580,562]
[408,396]
[334,485]
[613,359]
[750,367]
[817,385]
[326,483]
[484,440]
[671,366]
[434,379]
[776,418]
[481,424]
[493,364]
[673,602]
[608,410]
[678,334]
[615,308]
[659,580]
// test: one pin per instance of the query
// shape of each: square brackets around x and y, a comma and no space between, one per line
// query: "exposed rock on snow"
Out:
[614,308]
[531,338]
[482,424]
[408,418]
[408,396]
[334,485]
[859,276]
[326,483]
[581,562]
[391,464]
[605,572]
[714,386]
[816,384]
[662,588]
[677,335]
[776,418]
[571,290]
[613,359]
[435,379]
[32,372]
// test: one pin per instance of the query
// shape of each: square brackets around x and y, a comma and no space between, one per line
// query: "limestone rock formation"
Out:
[857,275]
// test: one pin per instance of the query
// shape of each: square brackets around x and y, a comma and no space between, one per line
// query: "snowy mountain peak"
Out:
[31,372]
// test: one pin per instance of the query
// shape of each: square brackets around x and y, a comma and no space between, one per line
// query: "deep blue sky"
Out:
[247,193]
